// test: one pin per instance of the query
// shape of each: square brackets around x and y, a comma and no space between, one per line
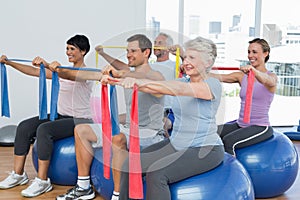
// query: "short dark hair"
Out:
[81,42]
[264,45]
[144,42]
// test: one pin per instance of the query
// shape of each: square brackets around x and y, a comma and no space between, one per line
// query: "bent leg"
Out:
[25,134]
[256,134]
[120,153]
[46,134]
[225,129]
[245,137]
[190,162]
[84,136]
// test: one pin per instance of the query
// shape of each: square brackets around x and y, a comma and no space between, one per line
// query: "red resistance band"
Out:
[225,68]
[135,176]
[249,93]
[106,132]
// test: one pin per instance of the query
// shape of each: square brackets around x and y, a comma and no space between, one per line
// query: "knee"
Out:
[156,178]
[42,132]
[23,130]
[80,131]
[119,141]
[22,126]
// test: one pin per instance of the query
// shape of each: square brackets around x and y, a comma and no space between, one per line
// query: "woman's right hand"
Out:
[37,61]
[53,66]
[3,59]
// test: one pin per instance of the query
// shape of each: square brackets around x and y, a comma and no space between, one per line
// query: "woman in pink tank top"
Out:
[240,133]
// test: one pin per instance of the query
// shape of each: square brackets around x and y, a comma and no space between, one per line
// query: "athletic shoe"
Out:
[37,187]
[13,180]
[115,196]
[77,193]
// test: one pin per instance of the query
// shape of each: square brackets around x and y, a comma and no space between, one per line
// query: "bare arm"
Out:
[26,69]
[234,77]
[269,80]
[79,75]
[173,87]
[151,75]
[119,65]
[74,75]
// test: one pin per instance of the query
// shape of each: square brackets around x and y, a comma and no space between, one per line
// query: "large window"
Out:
[231,24]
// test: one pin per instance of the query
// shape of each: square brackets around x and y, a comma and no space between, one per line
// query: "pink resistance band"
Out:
[106,132]
[135,178]
[249,93]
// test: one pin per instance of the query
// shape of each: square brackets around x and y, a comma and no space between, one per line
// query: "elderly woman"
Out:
[194,146]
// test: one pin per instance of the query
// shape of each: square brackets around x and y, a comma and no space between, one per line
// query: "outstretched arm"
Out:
[75,75]
[234,77]
[26,69]
[172,87]
[119,65]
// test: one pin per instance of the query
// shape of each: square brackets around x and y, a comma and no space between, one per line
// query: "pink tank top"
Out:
[261,102]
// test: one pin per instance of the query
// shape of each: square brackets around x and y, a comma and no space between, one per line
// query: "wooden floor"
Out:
[6,164]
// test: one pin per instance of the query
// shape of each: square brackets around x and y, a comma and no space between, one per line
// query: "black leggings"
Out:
[234,136]
[163,165]
[45,132]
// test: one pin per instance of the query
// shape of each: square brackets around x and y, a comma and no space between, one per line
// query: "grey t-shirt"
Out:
[167,69]
[195,123]
[150,110]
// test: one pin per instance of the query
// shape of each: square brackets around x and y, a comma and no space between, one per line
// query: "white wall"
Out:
[41,28]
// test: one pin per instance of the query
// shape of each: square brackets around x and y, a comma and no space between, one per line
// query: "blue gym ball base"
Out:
[271,164]
[229,180]
[263,170]
[63,167]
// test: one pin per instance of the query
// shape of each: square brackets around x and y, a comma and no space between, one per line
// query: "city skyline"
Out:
[282,14]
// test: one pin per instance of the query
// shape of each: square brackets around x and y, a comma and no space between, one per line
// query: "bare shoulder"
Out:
[272,74]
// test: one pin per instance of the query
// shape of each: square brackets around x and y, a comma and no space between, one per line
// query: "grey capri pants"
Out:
[162,165]
[45,132]
[234,136]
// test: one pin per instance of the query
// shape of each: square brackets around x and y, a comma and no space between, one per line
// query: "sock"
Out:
[18,175]
[115,196]
[42,180]
[83,182]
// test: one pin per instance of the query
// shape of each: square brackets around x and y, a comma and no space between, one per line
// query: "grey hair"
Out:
[207,47]
[169,38]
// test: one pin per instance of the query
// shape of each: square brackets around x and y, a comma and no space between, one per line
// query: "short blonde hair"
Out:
[206,46]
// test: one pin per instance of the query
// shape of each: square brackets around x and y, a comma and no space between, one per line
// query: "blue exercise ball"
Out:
[229,180]
[102,185]
[63,167]
[271,164]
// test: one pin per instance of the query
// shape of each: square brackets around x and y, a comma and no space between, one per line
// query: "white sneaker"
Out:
[115,197]
[13,180]
[37,187]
